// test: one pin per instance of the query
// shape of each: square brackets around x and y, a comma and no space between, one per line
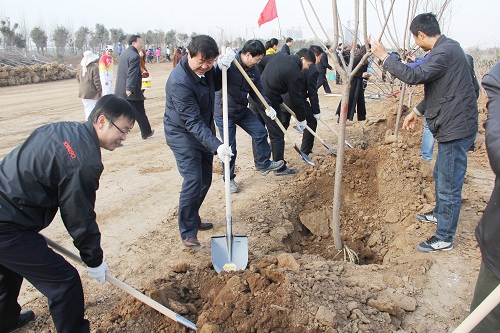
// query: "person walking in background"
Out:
[272,46]
[190,129]
[56,169]
[129,82]
[167,54]
[322,66]
[177,56]
[106,70]
[488,229]
[89,81]
[450,108]
[119,49]
[158,55]
[239,113]
[286,47]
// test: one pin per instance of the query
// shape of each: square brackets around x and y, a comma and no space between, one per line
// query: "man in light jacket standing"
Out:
[450,109]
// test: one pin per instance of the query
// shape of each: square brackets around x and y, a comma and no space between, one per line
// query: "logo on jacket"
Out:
[69,149]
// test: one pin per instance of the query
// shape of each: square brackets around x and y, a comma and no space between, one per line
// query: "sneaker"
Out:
[191,241]
[233,187]
[427,217]
[272,166]
[434,244]
[24,318]
[286,171]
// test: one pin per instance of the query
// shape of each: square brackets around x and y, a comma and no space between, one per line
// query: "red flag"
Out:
[269,13]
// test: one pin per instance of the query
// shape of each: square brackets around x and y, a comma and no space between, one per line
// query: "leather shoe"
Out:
[24,318]
[191,241]
[205,226]
[149,135]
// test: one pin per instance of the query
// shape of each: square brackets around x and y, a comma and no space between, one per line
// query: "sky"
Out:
[471,23]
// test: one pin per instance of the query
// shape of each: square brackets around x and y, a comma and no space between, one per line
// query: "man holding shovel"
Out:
[190,130]
[240,114]
[57,167]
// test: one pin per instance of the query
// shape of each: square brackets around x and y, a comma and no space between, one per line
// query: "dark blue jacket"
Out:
[57,167]
[238,89]
[450,101]
[189,108]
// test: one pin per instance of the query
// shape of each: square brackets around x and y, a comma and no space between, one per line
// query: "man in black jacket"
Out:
[190,130]
[239,113]
[322,66]
[283,74]
[286,47]
[488,229]
[450,109]
[129,82]
[58,166]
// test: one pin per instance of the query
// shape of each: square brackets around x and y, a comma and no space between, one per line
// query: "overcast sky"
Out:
[472,23]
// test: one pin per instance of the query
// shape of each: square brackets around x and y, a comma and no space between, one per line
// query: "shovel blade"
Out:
[221,254]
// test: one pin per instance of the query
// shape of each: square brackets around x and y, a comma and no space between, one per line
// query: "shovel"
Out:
[126,288]
[229,253]
[257,92]
[336,133]
[310,130]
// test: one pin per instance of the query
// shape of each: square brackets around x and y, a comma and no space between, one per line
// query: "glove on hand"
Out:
[99,272]
[302,124]
[271,113]
[317,116]
[226,59]
[222,151]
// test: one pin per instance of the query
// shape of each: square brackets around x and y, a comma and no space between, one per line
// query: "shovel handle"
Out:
[126,288]
[335,132]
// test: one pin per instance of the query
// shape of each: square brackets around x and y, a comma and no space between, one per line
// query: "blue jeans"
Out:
[252,125]
[449,174]
[427,147]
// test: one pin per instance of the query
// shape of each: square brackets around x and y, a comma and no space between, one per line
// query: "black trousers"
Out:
[25,254]
[323,82]
[276,135]
[195,165]
[141,117]
[307,138]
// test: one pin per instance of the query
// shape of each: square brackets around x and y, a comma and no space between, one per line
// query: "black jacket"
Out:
[238,89]
[323,64]
[488,229]
[189,108]
[283,74]
[285,49]
[129,76]
[58,166]
[450,101]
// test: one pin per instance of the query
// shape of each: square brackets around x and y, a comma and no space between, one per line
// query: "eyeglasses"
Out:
[118,128]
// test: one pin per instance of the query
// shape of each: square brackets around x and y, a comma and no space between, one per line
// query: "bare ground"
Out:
[295,280]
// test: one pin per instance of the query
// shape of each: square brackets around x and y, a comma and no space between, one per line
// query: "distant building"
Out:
[295,33]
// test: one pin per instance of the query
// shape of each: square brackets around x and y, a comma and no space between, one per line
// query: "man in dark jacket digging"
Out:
[190,131]
[57,167]
[451,113]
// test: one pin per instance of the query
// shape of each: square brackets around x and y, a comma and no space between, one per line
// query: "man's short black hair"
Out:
[254,47]
[133,39]
[205,45]
[317,50]
[308,54]
[426,23]
[112,107]
[289,39]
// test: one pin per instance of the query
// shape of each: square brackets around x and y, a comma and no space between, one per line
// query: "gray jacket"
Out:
[129,76]
[488,229]
[450,101]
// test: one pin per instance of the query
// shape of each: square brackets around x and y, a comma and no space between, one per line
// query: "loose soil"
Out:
[295,280]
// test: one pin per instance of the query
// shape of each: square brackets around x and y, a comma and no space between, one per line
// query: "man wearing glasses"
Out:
[57,167]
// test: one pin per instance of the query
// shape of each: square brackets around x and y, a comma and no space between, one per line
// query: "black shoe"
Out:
[24,318]
[149,135]
[286,171]
[205,226]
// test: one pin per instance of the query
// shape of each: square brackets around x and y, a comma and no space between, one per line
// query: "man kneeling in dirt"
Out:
[58,166]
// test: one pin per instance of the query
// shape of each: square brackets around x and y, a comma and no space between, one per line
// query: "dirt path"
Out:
[294,282]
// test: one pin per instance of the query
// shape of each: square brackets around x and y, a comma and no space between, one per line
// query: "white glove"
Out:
[99,272]
[226,59]
[271,113]
[222,151]
[302,124]
[317,116]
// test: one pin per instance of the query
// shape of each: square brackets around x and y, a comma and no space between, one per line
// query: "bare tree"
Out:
[81,38]
[100,37]
[171,38]
[11,38]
